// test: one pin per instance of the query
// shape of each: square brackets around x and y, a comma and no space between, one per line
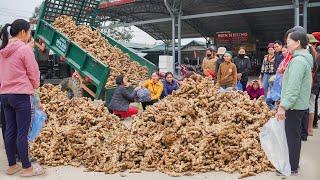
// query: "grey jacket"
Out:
[121,99]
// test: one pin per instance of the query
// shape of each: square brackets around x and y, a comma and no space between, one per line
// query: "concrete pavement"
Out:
[310,169]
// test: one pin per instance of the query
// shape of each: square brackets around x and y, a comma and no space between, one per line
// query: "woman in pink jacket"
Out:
[19,77]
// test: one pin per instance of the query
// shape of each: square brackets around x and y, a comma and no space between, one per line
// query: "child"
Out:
[255,90]
[227,73]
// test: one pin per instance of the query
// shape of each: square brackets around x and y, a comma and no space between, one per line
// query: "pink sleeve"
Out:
[32,67]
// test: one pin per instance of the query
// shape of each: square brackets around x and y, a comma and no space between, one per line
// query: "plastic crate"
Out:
[82,11]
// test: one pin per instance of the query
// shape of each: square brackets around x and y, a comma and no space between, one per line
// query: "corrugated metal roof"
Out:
[262,25]
[191,46]
[137,46]
[159,48]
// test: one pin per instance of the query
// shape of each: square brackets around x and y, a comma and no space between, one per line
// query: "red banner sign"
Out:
[232,38]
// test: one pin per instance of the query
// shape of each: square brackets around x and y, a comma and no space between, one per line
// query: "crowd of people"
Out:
[219,66]
[147,93]
[289,83]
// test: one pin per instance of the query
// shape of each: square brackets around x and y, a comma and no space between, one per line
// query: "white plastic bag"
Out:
[274,143]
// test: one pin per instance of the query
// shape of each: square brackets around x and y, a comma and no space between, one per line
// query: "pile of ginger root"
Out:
[95,44]
[195,130]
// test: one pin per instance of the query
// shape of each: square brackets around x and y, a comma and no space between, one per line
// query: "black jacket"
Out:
[219,61]
[278,58]
[243,66]
[121,99]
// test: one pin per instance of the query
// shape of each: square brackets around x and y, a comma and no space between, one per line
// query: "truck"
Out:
[91,74]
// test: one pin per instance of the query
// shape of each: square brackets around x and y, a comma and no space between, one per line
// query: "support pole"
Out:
[173,39]
[179,33]
[305,14]
[296,12]
[173,30]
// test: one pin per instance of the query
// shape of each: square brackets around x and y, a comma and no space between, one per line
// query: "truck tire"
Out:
[72,86]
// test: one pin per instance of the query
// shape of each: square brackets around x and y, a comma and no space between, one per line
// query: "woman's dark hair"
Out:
[278,42]
[296,28]
[119,80]
[17,26]
[167,74]
[299,36]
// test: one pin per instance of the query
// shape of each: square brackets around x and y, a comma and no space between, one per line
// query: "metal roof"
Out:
[269,25]
[159,48]
[191,46]
[137,46]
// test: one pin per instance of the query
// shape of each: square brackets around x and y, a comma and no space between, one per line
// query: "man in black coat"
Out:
[278,54]
[243,67]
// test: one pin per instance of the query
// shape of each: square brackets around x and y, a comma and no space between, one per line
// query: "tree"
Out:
[35,14]
[119,33]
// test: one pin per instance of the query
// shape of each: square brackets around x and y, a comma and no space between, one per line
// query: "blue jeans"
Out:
[265,83]
[17,112]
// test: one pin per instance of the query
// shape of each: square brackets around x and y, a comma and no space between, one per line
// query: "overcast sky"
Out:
[14,9]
